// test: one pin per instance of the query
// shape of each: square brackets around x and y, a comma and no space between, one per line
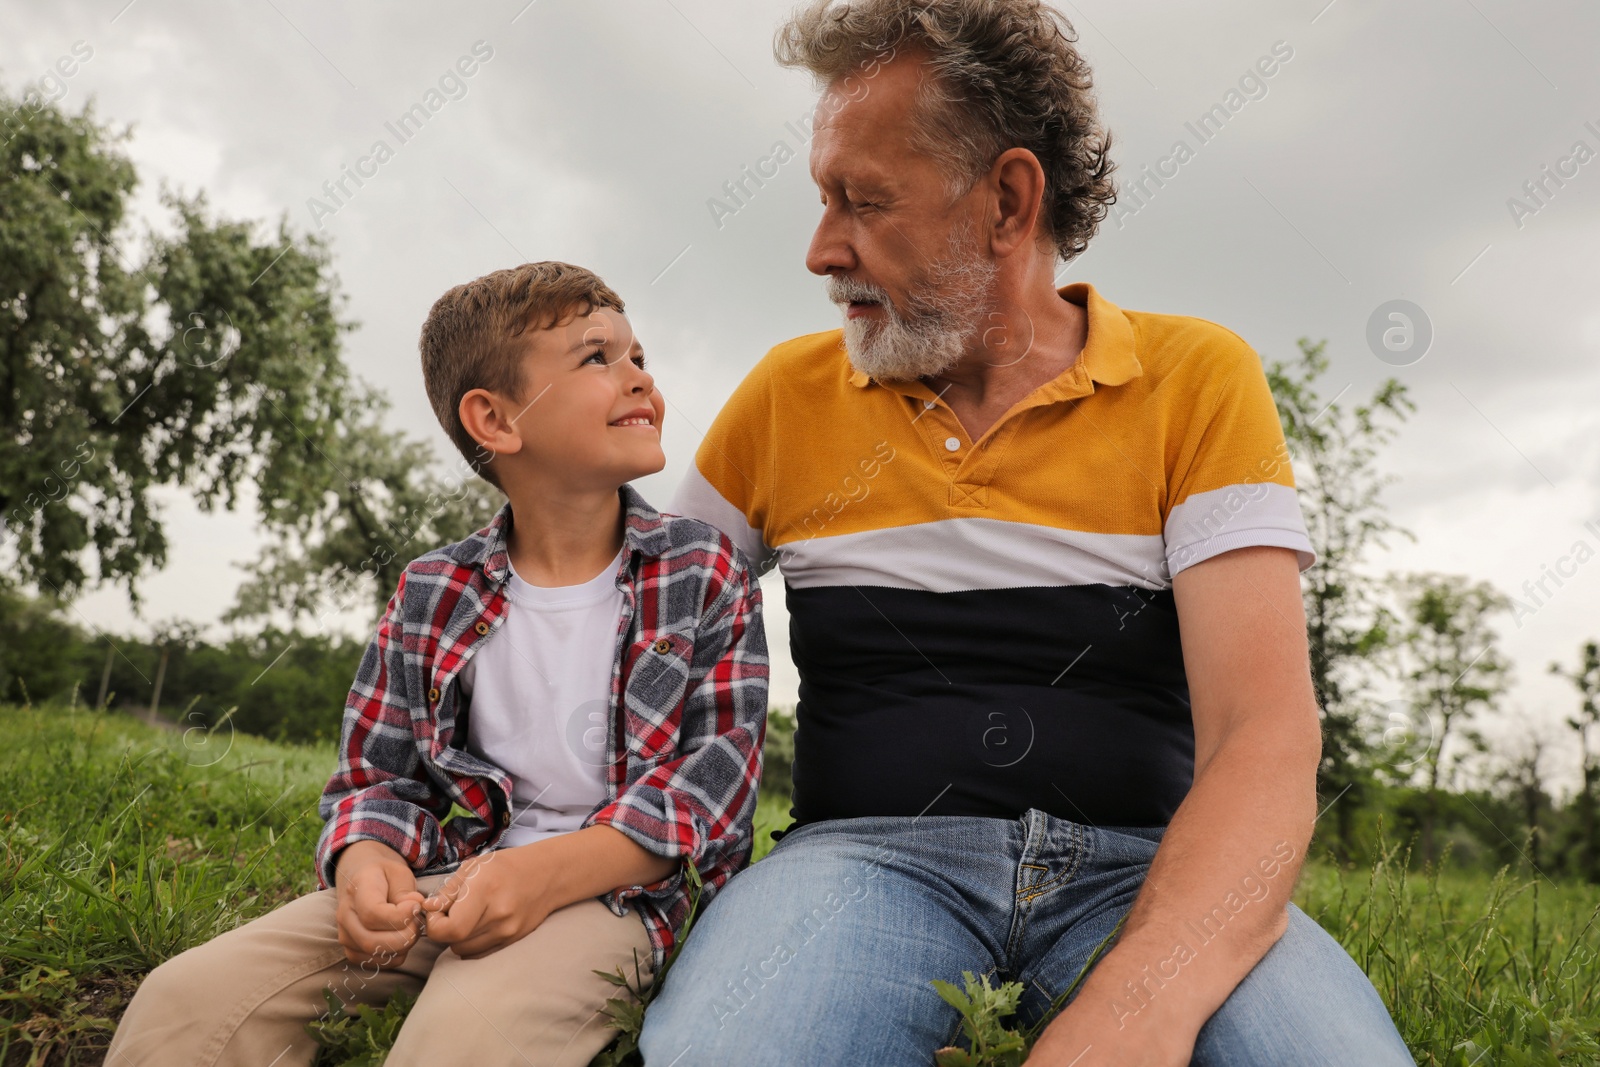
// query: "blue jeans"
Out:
[822,952]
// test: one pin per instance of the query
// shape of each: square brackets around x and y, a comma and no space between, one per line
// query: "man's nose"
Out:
[830,251]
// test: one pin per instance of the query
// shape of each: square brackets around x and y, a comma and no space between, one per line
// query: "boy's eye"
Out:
[600,354]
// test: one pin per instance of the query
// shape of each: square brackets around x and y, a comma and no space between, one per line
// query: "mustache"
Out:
[843,289]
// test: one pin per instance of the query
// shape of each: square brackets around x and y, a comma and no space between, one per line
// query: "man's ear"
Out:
[1017,184]
[485,417]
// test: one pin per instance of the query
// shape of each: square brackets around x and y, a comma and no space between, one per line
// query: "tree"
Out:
[203,358]
[1524,782]
[1453,665]
[1586,678]
[388,506]
[210,363]
[174,635]
[1334,454]
[41,653]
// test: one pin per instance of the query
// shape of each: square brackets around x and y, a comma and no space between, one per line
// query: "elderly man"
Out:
[1042,560]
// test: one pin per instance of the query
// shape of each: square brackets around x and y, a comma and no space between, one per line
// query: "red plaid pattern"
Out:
[688,713]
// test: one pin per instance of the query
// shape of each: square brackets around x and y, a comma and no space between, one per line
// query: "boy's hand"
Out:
[498,897]
[492,900]
[379,904]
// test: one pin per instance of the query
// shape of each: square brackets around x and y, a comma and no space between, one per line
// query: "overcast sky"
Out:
[1378,162]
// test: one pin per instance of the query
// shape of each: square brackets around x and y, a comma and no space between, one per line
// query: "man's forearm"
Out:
[1214,900]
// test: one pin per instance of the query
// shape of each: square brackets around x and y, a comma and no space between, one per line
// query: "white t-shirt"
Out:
[540,692]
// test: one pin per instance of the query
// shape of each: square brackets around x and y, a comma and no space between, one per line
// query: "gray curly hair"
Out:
[1006,74]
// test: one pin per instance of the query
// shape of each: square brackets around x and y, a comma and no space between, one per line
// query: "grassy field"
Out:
[124,844]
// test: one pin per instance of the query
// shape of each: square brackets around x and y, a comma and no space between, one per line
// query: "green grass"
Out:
[123,845]
[1477,970]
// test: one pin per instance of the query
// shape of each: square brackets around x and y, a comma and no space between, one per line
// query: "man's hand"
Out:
[1081,1042]
[1092,1032]
[378,904]
[492,900]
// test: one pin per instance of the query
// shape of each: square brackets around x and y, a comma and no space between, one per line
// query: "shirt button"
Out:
[663,646]
[482,628]
[505,818]
[433,696]
[951,444]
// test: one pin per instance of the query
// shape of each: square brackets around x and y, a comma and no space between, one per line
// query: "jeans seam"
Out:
[1077,851]
[1025,890]
[1019,911]
[1038,889]
[955,1028]
[1019,927]
[1074,863]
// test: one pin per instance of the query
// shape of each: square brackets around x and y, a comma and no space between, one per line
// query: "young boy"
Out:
[612,665]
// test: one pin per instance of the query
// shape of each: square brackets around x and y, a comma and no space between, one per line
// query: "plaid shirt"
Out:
[688,713]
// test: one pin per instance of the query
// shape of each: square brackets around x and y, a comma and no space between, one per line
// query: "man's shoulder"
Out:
[801,372]
[808,346]
[1186,344]
[809,355]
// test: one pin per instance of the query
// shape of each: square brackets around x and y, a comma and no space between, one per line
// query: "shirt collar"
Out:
[642,531]
[1108,352]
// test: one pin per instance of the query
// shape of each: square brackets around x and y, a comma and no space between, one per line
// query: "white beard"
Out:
[942,316]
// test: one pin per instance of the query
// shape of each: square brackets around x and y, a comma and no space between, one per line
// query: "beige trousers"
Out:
[244,998]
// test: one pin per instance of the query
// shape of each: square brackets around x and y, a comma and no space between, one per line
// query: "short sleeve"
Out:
[1233,486]
[728,484]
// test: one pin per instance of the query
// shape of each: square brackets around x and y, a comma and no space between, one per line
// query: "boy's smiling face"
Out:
[588,412]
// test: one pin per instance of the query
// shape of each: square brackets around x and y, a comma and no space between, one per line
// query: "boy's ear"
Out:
[486,419]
